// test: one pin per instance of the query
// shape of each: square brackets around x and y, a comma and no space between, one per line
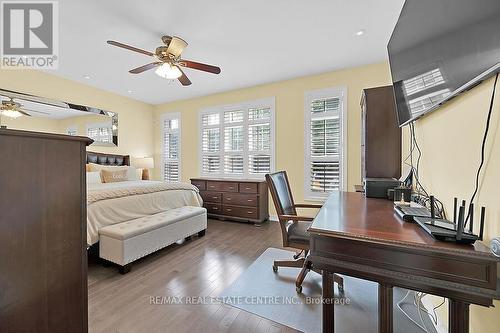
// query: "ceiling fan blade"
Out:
[144,68]
[184,79]
[128,47]
[176,46]
[29,110]
[23,113]
[199,66]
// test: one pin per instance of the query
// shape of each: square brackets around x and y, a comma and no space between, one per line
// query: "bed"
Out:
[113,203]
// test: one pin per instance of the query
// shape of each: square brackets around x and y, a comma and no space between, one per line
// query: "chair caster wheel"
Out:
[298,289]
[275,269]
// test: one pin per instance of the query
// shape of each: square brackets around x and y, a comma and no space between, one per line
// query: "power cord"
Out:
[417,301]
[485,137]
[422,197]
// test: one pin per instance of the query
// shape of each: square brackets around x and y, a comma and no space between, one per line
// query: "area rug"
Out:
[272,296]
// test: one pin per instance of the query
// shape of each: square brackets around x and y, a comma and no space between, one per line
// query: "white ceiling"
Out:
[253,41]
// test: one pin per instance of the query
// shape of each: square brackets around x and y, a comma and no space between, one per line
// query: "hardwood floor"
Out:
[201,267]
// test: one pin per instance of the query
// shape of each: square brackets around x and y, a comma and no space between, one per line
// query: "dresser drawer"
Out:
[209,196]
[240,199]
[200,184]
[213,208]
[248,187]
[229,187]
[243,212]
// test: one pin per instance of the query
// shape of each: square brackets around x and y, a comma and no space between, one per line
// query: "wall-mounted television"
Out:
[440,48]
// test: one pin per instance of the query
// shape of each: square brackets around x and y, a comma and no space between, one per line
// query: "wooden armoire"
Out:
[380,134]
[43,254]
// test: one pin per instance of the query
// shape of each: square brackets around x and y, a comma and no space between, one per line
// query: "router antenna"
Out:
[481,228]
[471,215]
[460,227]
[455,203]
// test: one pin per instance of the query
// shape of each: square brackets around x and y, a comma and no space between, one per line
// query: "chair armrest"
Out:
[307,206]
[295,218]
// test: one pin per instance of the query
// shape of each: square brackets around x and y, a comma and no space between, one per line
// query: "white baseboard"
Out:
[273,218]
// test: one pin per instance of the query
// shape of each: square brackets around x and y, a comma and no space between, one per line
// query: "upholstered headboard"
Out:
[107,159]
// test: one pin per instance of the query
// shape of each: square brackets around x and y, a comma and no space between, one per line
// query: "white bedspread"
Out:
[120,209]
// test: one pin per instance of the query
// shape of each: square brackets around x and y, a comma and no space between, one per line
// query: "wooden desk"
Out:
[362,237]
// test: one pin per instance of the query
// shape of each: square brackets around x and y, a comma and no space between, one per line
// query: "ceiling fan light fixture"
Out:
[168,71]
[11,113]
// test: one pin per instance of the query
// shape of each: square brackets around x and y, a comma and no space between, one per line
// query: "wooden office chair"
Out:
[293,228]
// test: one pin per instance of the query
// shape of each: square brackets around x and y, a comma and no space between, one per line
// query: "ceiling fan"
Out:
[169,62]
[12,109]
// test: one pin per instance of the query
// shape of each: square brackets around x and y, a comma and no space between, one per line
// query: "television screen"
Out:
[440,48]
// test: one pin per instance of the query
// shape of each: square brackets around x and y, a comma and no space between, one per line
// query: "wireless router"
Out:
[448,231]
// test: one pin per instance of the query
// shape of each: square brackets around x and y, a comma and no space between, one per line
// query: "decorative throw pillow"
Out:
[94,177]
[131,171]
[114,176]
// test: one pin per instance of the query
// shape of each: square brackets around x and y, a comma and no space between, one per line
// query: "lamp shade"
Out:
[144,163]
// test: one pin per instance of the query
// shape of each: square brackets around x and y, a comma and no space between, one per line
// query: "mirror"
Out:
[32,113]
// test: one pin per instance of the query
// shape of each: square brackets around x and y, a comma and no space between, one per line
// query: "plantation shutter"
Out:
[259,141]
[210,143]
[171,148]
[237,140]
[325,146]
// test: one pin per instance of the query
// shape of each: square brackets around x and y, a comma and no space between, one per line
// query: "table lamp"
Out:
[145,164]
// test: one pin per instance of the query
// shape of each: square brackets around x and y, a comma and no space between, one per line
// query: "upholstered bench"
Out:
[126,242]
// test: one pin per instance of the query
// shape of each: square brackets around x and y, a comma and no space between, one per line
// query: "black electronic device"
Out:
[408,213]
[377,187]
[439,49]
[445,230]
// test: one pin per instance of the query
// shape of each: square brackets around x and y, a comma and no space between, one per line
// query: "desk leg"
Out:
[458,317]
[328,302]
[385,309]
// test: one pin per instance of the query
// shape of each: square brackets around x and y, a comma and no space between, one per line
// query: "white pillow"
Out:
[94,177]
[132,173]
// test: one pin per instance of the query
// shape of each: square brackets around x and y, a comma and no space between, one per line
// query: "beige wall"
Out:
[289,142]
[135,118]
[450,139]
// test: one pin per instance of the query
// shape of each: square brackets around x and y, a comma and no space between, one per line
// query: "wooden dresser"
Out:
[234,199]
[43,224]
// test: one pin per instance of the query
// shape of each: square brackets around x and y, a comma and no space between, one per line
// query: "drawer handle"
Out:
[250,212]
[229,199]
[211,186]
[228,209]
[249,200]
[231,188]
[248,188]
[215,208]
[215,197]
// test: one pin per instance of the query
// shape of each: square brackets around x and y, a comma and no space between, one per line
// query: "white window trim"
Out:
[170,116]
[308,98]
[259,103]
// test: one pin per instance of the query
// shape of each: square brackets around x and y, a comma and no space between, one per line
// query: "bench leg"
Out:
[202,233]
[124,269]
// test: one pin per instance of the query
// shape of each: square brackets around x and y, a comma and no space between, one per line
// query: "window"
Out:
[170,123]
[101,133]
[237,140]
[325,154]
